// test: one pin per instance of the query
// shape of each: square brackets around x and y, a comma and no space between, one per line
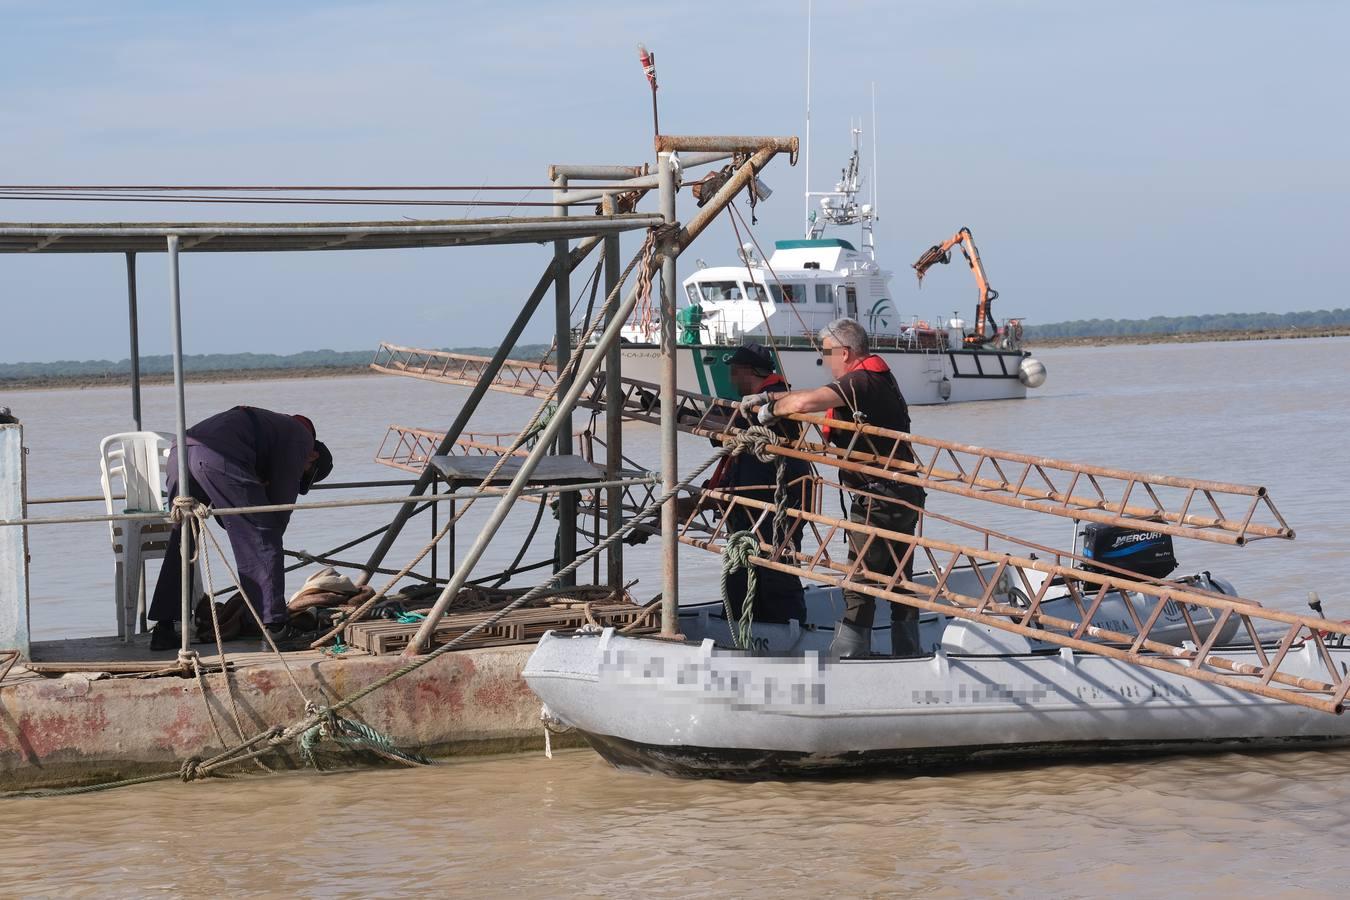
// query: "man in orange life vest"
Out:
[863,390]
[778,595]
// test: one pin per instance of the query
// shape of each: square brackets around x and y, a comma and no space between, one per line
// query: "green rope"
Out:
[353,735]
[740,546]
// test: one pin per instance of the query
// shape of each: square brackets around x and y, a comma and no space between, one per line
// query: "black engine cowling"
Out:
[1147,553]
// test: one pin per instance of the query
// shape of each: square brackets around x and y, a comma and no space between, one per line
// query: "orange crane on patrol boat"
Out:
[986,329]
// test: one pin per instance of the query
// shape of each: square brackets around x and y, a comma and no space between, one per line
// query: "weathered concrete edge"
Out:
[57,732]
[13,543]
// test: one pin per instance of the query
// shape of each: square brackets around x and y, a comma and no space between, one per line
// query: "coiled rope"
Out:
[741,546]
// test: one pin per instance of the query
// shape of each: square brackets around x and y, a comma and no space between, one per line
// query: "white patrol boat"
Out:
[784,301]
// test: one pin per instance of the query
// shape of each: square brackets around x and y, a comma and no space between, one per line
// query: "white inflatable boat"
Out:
[701,708]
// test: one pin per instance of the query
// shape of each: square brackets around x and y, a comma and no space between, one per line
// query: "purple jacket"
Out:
[271,445]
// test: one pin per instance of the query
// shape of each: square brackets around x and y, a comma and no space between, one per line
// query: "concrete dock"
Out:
[90,726]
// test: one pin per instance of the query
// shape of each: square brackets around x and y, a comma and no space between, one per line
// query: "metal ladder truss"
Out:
[522,377]
[1183,507]
[1144,601]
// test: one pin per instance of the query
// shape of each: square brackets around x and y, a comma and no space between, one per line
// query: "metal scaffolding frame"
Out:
[177,238]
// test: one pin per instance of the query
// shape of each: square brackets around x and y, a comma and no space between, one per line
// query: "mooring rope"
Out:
[753,440]
[192,513]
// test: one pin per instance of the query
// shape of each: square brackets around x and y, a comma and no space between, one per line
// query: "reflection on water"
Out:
[1269,413]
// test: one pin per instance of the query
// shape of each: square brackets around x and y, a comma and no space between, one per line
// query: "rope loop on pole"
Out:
[185,508]
[740,547]
[756,440]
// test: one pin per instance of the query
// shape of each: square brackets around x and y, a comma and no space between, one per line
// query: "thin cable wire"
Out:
[261,201]
[301,187]
[810,335]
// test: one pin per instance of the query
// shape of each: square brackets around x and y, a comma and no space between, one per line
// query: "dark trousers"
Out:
[859,608]
[778,596]
[256,539]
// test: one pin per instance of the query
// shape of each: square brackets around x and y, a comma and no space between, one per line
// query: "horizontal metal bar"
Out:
[347,485]
[592,193]
[595,173]
[340,485]
[337,504]
[622,222]
[86,498]
[669,143]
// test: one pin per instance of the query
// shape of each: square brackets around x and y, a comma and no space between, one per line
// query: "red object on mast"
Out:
[648,60]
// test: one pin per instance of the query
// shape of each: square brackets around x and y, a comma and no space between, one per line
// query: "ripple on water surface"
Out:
[574,826]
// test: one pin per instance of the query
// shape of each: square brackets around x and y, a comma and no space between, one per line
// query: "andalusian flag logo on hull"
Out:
[876,316]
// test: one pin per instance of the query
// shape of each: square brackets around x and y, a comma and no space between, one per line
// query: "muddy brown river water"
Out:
[1272,413]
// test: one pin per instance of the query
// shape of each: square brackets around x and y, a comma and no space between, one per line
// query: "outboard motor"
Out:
[1147,553]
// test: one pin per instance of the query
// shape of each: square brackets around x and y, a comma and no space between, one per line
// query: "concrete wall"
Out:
[86,728]
[13,543]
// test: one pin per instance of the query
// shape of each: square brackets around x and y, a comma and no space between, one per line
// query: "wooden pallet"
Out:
[524,626]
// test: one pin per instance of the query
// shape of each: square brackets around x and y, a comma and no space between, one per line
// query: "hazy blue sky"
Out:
[1114,159]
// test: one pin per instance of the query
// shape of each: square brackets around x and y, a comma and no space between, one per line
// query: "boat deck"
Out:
[74,654]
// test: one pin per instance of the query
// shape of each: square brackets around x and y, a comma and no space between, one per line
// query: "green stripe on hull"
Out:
[700,370]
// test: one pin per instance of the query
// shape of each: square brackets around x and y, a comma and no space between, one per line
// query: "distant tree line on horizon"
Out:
[346,359]
[218,362]
[1321,318]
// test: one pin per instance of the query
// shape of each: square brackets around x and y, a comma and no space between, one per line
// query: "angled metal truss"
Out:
[522,377]
[1183,507]
[1271,676]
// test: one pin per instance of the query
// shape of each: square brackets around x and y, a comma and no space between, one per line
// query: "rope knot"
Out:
[191,769]
[736,554]
[756,439]
[741,545]
[185,508]
[662,233]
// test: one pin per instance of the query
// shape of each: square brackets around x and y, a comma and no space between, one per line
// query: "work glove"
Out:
[766,416]
[745,407]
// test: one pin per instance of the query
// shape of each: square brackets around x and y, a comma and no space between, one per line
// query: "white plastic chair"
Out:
[133,464]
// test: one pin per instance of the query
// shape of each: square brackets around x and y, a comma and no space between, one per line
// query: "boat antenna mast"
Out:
[840,206]
[806,149]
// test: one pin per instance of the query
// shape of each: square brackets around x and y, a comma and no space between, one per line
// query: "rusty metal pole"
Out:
[134,327]
[562,299]
[184,545]
[613,411]
[589,366]
[670,466]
